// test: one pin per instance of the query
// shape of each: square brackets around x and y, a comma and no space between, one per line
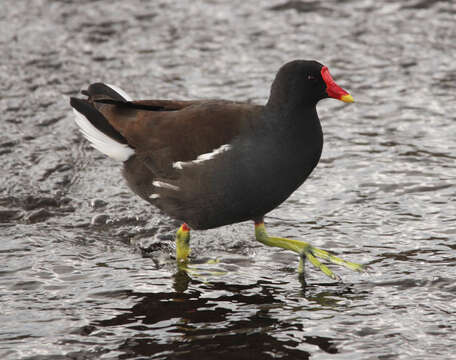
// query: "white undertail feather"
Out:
[120,92]
[102,142]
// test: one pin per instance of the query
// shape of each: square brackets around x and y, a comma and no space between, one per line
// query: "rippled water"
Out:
[86,267]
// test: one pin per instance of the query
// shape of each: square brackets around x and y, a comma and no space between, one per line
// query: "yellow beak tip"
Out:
[347,98]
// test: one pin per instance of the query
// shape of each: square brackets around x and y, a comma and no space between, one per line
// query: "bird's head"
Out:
[305,82]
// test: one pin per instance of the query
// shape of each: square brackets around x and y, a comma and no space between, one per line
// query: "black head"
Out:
[303,82]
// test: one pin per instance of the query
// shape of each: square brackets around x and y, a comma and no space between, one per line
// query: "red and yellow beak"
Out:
[332,89]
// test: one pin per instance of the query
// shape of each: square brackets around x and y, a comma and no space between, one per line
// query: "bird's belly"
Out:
[236,186]
[250,189]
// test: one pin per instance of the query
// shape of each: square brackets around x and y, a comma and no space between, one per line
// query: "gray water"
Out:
[87,268]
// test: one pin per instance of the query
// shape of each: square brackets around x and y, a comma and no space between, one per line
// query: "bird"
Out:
[210,163]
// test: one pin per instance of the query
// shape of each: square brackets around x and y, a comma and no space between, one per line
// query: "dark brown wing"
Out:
[180,130]
[189,158]
[163,170]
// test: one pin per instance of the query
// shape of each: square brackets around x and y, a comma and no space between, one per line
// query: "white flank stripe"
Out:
[203,157]
[165,185]
[120,92]
[154,196]
[102,142]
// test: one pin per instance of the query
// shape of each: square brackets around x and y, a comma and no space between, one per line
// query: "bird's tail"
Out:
[94,125]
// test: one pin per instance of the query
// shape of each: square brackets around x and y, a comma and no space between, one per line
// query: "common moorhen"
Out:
[214,162]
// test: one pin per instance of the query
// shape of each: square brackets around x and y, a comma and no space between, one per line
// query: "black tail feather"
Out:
[100,91]
[96,119]
[132,105]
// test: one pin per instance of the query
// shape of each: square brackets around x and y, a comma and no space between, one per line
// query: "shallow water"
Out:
[87,269]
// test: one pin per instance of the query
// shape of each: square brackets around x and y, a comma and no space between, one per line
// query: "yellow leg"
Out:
[182,246]
[183,251]
[306,251]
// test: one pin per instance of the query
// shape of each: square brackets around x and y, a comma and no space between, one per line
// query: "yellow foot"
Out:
[183,251]
[306,251]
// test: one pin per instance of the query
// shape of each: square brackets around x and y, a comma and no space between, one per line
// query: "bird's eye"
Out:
[311,77]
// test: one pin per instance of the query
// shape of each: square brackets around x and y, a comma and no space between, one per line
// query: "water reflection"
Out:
[240,319]
[181,281]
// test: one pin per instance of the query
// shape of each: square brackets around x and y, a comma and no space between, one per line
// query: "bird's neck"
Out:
[294,117]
